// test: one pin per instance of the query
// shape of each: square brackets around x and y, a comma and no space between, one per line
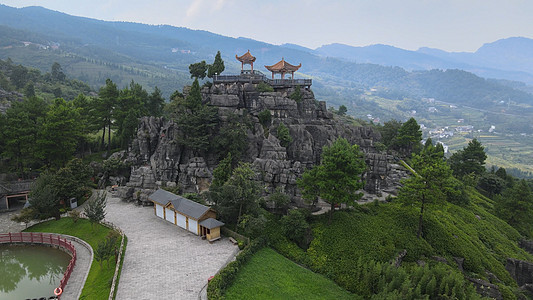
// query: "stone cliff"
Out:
[158,159]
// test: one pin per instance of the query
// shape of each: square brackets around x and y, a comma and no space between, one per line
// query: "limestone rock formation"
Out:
[157,158]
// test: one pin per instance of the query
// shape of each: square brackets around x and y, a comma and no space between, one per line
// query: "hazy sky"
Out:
[452,25]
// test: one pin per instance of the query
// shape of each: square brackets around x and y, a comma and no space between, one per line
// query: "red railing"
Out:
[44,238]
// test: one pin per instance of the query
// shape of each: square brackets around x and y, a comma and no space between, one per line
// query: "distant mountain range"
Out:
[93,50]
[510,58]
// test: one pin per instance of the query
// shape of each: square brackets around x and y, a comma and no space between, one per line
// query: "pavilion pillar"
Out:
[252,67]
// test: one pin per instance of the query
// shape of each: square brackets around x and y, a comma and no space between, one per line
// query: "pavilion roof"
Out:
[283,67]
[246,57]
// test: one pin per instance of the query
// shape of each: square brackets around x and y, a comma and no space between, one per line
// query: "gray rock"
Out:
[157,156]
[521,271]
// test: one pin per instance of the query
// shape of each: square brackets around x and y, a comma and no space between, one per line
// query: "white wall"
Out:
[193,226]
[159,210]
[169,215]
[181,221]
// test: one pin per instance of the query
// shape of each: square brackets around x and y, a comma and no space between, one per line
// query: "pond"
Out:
[29,271]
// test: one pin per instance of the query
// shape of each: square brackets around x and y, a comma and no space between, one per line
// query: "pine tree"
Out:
[217,67]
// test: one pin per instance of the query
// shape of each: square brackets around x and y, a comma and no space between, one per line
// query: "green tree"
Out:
[59,134]
[20,131]
[72,181]
[470,160]
[231,137]
[222,172]
[389,132]
[156,102]
[195,120]
[284,135]
[432,183]
[43,197]
[198,70]
[217,67]
[95,208]
[295,226]
[104,108]
[342,110]
[491,183]
[29,90]
[338,176]
[57,72]
[515,206]
[239,195]
[409,137]
[279,199]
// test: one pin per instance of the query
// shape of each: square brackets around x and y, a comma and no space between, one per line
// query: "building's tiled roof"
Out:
[182,205]
[246,57]
[162,197]
[283,66]
[211,223]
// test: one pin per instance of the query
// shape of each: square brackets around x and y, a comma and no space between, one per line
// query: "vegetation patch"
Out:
[269,275]
[99,280]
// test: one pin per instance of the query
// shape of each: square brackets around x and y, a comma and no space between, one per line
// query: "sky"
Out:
[451,25]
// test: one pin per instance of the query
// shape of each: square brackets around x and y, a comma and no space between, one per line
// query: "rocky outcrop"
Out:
[6,98]
[158,159]
[521,271]
[486,289]
[527,245]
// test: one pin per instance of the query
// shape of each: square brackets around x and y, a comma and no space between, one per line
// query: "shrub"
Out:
[264,87]
[297,94]
[284,135]
[265,118]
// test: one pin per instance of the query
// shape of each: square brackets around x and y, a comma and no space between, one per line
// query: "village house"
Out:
[189,215]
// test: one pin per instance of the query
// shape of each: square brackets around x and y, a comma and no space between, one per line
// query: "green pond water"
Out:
[29,272]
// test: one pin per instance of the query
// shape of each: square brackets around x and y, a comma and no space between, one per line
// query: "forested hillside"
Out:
[94,50]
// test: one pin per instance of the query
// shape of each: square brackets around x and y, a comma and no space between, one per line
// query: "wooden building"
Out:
[246,59]
[282,67]
[189,215]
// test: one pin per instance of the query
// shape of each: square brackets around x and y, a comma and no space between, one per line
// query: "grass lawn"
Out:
[269,275]
[98,284]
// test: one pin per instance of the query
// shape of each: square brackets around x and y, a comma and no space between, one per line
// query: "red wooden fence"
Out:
[44,238]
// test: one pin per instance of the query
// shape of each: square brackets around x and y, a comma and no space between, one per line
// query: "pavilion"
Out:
[283,67]
[246,59]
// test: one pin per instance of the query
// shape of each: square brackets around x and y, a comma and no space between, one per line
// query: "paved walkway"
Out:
[163,261]
[79,274]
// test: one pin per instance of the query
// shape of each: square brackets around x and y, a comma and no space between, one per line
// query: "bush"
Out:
[297,94]
[284,135]
[265,118]
[264,87]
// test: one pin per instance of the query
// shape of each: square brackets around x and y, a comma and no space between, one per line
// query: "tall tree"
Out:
[409,137]
[338,176]
[196,120]
[470,160]
[43,198]
[515,207]
[95,208]
[198,70]
[59,134]
[57,72]
[389,132]
[239,195]
[156,102]
[104,109]
[21,131]
[217,67]
[432,183]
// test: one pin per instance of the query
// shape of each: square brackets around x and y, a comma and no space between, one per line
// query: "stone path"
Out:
[79,274]
[163,261]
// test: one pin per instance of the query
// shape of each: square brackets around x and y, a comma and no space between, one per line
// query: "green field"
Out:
[269,275]
[98,284]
